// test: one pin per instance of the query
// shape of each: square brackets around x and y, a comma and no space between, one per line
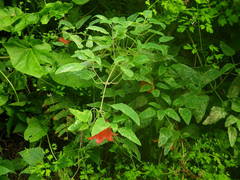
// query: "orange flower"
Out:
[104,134]
[64,41]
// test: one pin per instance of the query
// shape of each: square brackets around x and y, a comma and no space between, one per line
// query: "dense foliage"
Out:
[100,89]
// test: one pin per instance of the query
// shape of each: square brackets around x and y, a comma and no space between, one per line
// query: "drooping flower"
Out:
[104,134]
[64,41]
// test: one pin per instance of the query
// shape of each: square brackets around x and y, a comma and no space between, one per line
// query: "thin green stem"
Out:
[50,147]
[4,57]
[105,87]
[14,90]
[198,56]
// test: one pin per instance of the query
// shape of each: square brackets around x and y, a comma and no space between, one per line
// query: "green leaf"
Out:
[99,126]
[164,135]
[129,134]
[234,89]
[154,46]
[197,103]
[71,67]
[227,50]
[236,105]
[26,20]
[186,115]
[160,114]
[131,147]
[213,74]
[82,116]
[155,93]
[166,98]
[32,156]
[89,42]
[56,9]
[80,2]
[127,110]
[32,59]
[165,38]
[3,100]
[190,78]
[147,14]
[35,131]
[76,39]
[80,23]
[148,113]
[127,72]
[172,114]
[76,79]
[215,115]
[231,120]
[8,16]
[81,120]
[4,170]
[238,125]
[232,135]
[98,29]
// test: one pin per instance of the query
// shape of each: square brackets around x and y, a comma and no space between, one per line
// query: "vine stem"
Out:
[4,57]
[50,147]
[14,90]
[105,87]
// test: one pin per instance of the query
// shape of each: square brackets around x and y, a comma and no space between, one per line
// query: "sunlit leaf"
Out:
[33,156]
[99,126]
[127,110]
[129,134]
[35,131]
[232,135]
[32,59]
[172,114]
[186,115]
[215,115]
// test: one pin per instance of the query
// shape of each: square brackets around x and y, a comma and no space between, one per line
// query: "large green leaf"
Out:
[71,67]
[129,134]
[231,120]
[4,170]
[215,115]
[56,9]
[76,79]
[35,131]
[153,46]
[32,156]
[190,78]
[186,114]
[227,50]
[196,103]
[32,58]
[82,116]
[232,135]
[99,126]
[164,135]
[127,110]
[8,16]
[166,38]
[234,89]
[98,29]
[82,119]
[236,105]
[212,74]
[26,20]
[131,147]
[3,100]
[172,114]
